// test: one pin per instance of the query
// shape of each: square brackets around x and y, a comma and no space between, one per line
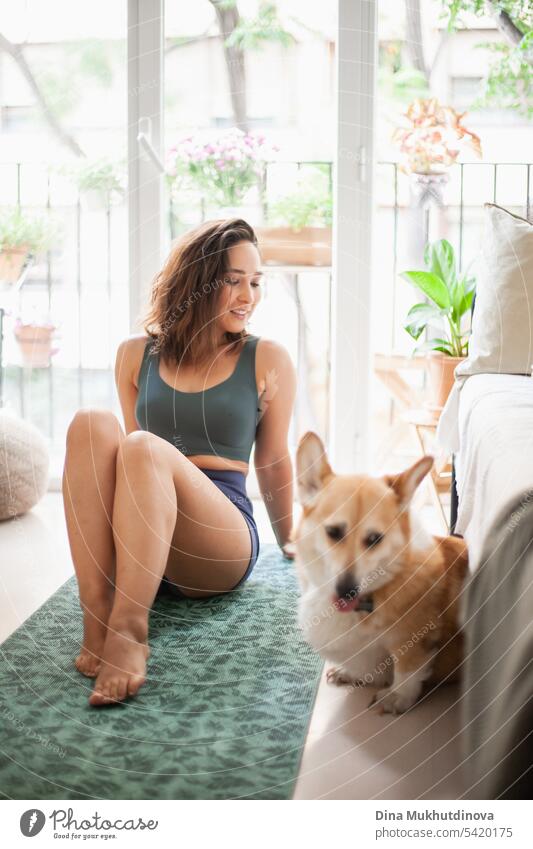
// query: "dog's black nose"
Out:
[347,588]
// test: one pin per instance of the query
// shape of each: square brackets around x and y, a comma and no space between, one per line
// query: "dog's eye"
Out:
[373,538]
[336,532]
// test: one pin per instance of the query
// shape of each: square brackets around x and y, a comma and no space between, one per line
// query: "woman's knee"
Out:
[142,464]
[140,449]
[93,424]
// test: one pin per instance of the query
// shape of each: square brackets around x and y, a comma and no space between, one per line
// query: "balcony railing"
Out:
[82,284]
[407,219]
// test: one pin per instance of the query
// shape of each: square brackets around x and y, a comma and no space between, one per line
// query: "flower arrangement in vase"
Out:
[433,138]
[431,142]
[222,169]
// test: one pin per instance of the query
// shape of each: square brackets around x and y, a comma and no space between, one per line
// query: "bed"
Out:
[494,463]
[494,479]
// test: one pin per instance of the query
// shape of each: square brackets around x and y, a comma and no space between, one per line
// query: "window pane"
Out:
[62,197]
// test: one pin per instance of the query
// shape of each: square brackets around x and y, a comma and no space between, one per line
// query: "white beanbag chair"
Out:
[24,462]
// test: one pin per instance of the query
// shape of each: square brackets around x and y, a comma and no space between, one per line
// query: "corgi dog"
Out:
[380,596]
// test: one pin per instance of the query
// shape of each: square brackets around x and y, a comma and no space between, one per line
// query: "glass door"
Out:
[63,209]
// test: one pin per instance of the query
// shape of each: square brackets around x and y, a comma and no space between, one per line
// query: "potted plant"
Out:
[430,142]
[303,232]
[221,169]
[20,235]
[450,297]
[35,339]
[102,182]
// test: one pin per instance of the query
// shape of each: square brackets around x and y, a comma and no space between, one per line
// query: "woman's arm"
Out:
[272,460]
[127,364]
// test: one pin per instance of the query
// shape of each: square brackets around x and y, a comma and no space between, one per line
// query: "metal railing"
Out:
[458,217]
[85,284]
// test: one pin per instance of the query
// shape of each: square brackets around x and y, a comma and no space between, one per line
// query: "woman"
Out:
[164,505]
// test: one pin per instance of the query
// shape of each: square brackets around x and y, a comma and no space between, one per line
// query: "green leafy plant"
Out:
[508,80]
[102,175]
[309,205]
[402,85]
[265,28]
[19,230]
[450,296]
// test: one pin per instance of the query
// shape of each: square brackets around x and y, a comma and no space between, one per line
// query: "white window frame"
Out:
[349,447]
[145,114]
[354,205]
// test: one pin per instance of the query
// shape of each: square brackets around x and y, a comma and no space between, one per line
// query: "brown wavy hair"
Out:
[186,292]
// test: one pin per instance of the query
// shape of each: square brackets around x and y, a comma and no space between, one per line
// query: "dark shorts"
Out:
[233,485]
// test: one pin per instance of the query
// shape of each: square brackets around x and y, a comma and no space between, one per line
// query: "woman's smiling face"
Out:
[242,290]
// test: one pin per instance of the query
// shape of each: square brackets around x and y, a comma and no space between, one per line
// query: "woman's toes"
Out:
[123,668]
[113,690]
[87,665]
[134,683]
[109,693]
[96,698]
[100,694]
[122,689]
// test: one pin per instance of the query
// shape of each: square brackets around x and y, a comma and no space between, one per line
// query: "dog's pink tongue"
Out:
[345,605]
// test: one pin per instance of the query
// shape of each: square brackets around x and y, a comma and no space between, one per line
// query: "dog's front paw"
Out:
[339,676]
[392,701]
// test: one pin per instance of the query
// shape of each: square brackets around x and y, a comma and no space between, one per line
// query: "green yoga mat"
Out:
[223,715]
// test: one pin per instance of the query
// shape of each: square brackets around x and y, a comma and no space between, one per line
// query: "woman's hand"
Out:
[289,550]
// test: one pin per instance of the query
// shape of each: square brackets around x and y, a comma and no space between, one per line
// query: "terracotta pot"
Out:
[284,246]
[440,369]
[11,263]
[35,343]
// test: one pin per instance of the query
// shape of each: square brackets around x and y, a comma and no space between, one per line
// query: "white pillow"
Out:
[502,325]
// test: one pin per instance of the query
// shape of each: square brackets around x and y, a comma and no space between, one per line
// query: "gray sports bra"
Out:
[220,420]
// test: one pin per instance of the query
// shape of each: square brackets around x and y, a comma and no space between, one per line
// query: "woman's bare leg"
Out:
[158,491]
[88,490]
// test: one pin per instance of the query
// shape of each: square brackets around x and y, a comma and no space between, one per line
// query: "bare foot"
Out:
[123,668]
[95,618]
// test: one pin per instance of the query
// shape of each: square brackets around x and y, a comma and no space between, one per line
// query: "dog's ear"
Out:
[312,467]
[405,483]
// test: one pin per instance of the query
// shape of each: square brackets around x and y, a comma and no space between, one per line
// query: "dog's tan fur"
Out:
[415,580]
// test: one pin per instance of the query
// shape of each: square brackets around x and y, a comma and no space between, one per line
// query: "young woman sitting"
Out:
[162,507]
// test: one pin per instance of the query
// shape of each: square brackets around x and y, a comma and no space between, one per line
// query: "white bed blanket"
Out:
[495,458]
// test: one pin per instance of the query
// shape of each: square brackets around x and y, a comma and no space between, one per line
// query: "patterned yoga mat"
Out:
[223,714]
